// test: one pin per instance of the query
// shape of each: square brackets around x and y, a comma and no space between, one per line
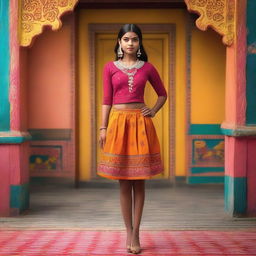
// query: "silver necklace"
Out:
[127,70]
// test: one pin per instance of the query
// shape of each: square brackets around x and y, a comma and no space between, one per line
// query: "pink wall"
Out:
[237,149]
[251,177]
[5,180]
[49,79]
[14,95]
[51,97]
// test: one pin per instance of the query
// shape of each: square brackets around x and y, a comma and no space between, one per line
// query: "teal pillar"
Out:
[14,175]
[4,67]
[251,63]
[234,127]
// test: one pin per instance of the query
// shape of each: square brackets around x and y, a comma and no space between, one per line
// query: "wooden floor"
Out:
[95,206]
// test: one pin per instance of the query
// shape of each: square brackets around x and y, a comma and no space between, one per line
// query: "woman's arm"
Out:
[157,83]
[105,115]
[159,103]
[152,111]
[106,103]
[104,124]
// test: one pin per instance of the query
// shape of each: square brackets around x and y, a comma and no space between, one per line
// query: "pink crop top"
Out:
[116,88]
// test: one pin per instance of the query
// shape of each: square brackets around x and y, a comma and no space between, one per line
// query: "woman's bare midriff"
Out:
[132,105]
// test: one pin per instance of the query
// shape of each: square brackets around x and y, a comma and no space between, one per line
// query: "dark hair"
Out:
[131,28]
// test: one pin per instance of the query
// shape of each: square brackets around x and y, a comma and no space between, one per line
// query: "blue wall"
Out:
[4,66]
[251,63]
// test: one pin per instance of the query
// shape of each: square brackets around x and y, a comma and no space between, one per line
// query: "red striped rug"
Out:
[78,243]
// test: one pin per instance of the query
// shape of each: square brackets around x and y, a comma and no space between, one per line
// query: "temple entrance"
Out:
[62,141]
[188,125]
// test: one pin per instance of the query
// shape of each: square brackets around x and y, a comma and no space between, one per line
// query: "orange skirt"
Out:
[132,149]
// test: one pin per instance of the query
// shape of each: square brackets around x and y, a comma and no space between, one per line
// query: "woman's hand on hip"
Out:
[146,111]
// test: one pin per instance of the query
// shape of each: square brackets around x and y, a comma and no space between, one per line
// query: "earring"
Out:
[138,53]
[120,52]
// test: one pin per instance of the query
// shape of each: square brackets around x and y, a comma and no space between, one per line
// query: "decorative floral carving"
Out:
[35,14]
[218,14]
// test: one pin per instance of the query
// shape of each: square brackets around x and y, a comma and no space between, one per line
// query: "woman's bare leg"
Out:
[139,198]
[126,206]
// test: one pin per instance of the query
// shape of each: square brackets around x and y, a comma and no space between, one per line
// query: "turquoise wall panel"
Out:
[4,66]
[206,169]
[235,195]
[205,129]
[19,196]
[205,179]
[251,63]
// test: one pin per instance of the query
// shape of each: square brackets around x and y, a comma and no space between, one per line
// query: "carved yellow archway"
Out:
[218,14]
[35,14]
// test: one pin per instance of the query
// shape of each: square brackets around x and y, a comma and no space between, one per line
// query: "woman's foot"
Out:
[128,240]
[135,244]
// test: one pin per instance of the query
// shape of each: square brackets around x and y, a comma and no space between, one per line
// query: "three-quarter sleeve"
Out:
[156,82]
[107,86]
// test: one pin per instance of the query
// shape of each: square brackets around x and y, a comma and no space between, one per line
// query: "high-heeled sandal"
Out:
[135,249]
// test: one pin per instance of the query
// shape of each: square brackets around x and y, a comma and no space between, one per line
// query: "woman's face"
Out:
[130,43]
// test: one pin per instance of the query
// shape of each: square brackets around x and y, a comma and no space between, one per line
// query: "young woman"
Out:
[130,146]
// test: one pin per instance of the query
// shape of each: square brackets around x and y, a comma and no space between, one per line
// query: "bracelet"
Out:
[101,128]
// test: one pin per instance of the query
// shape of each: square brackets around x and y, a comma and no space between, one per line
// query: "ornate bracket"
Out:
[218,14]
[35,14]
